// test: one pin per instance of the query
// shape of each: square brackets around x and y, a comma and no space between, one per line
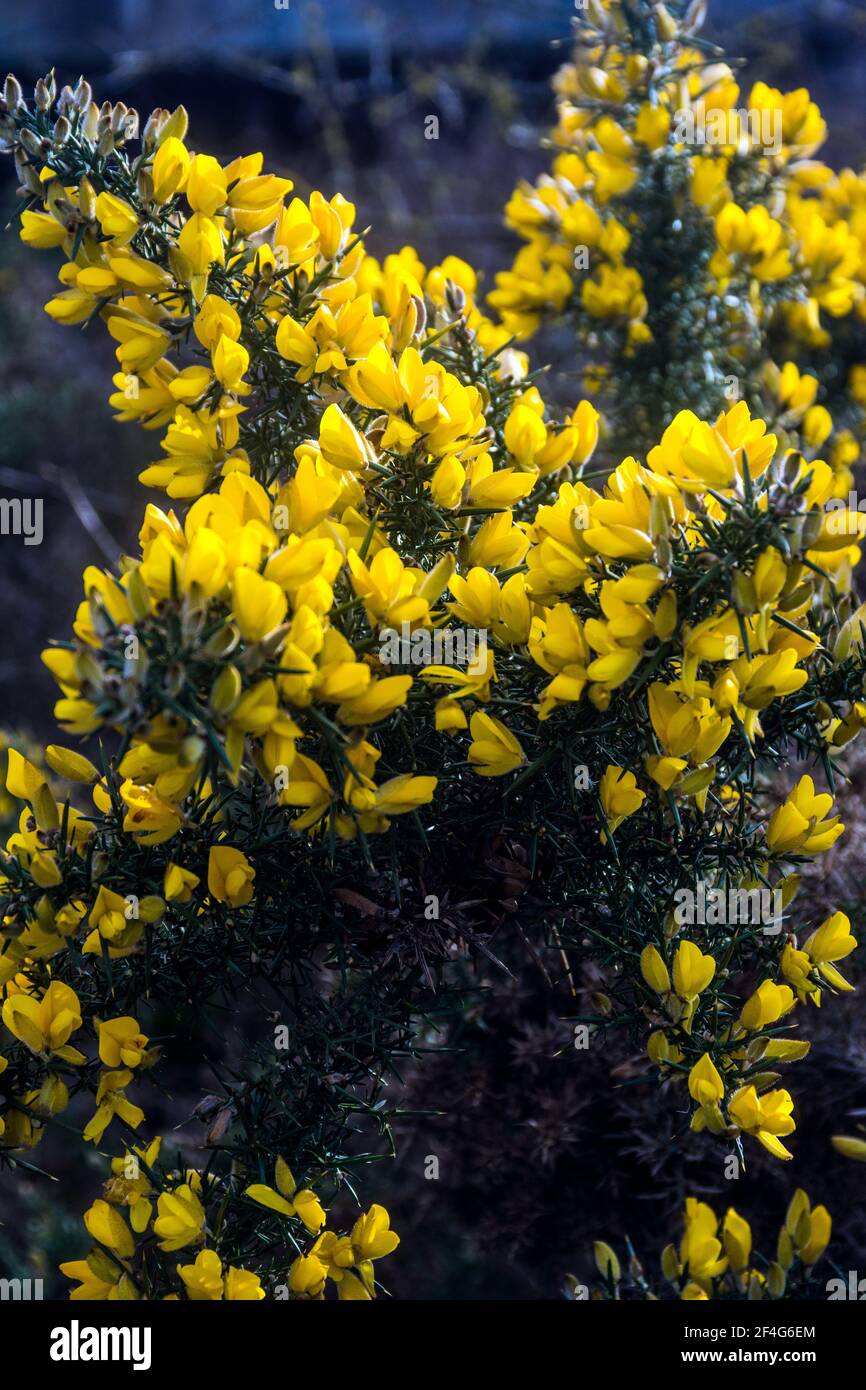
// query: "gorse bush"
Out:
[390,630]
[212,861]
[716,1260]
[688,233]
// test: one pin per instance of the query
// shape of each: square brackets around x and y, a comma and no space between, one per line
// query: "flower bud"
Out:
[776,1280]
[144,185]
[90,124]
[811,528]
[105,142]
[31,143]
[850,1147]
[694,17]
[43,94]
[636,68]
[593,82]
[455,297]
[83,94]
[151,908]
[743,593]
[27,176]
[420,316]
[666,24]
[118,118]
[69,764]
[785,1250]
[13,97]
[45,809]
[176,124]
[606,1261]
[226,690]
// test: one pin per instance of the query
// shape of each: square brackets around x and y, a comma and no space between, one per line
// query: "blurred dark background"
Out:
[538,1157]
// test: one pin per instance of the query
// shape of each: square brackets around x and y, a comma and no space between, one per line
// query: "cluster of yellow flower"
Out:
[356,342]
[749,1040]
[170,1212]
[762,237]
[272,653]
[714,1260]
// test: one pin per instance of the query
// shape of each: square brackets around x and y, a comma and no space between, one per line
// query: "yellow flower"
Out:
[230,875]
[525,433]
[620,795]
[169,169]
[242,1286]
[652,125]
[701,1253]
[180,1220]
[494,750]
[26,782]
[767,1005]
[116,218]
[46,1024]
[41,230]
[205,1282]
[499,542]
[100,1279]
[106,1225]
[737,1237]
[705,1084]
[307,786]
[372,1237]
[205,185]
[121,1043]
[307,1277]
[654,970]
[371,1240]
[800,824]
[693,971]
[110,1101]
[335,1252]
[806,1231]
[204,1279]
[404,793]
[388,588]
[149,818]
[288,1200]
[342,445]
[230,361]
[178,883]
[797,967]
[375,703]
[116,925]
[832,941]
[201,243]
[259,605]
[766,1117]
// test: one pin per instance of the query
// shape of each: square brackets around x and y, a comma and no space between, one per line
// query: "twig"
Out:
[83,508]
